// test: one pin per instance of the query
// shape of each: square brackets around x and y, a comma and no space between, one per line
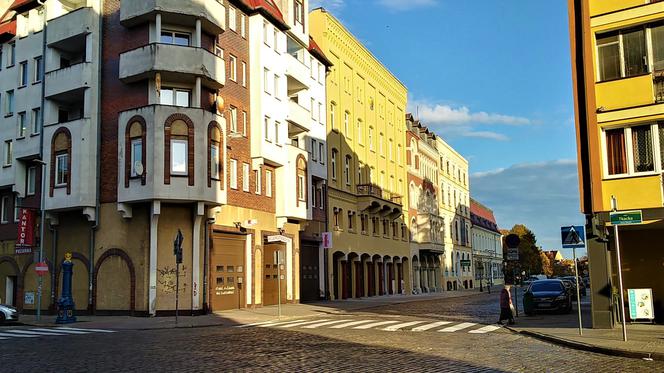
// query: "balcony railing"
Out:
[378,192]
[658,81]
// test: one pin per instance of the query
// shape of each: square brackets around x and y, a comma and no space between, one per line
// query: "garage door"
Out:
[227,269]
[309,272]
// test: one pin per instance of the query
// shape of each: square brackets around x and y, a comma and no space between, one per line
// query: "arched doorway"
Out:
[114,283]
[11,282]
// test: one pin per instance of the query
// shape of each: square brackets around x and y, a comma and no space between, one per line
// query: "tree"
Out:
[547,268]
[529,253]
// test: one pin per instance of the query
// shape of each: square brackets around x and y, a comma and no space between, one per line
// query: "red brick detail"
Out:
[167,147]
[67,133]
[139,119]
[116,95]
[212,126]
[132,277]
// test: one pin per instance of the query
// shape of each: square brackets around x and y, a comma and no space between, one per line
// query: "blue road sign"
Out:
[573,237]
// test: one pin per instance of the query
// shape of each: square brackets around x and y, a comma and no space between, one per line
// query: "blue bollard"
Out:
[66,301]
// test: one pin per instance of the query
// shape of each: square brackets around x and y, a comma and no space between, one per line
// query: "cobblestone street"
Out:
[433,335]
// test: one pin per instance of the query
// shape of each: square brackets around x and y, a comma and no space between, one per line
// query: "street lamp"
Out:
[40,280]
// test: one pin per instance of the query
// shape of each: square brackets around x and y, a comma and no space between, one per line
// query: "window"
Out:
[642,147]
[9,103]
[268,183]
[266,80]
[233,67]
[381,140]
[299,11]
[214,161]
[334,164]
[389,150]
[232,18]
[321,152]
[265,33]
[243,26]
[21,124]
[301,187]
[39,70]
[233,172]
[5,210]
[175,96]
[8,153]
[314,197]
[244,123]
[175,37]
[312,106]
[244,74]
[214,158]
[11,56]
[616,152]
[179,157]
[332,111]
[136,157]
[371,145]
[23,74]
[359,131]
[245,177]
[275,36]
[350,220]
[276,86]
[346,123]
[399,153]
[276,132]
[61,169]
[31,181]
[622,54]
[257,176]
[359,173]
[36,120]
[266,128]
[233,111]
[313,149]
[347,169]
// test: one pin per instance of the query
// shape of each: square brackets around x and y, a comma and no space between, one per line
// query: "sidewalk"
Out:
[243,316]
[643,340]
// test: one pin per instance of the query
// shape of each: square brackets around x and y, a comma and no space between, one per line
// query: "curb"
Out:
[589,347]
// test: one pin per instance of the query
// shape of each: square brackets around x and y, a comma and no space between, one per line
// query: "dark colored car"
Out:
[547,295]
[582,286]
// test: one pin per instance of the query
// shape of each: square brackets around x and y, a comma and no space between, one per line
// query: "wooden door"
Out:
[274,274]
[309,272]
[227,271]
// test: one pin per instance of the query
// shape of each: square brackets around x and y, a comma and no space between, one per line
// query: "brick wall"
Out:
[115,95]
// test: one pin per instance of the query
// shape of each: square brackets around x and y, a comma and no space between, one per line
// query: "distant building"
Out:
[554,255]
[487,244]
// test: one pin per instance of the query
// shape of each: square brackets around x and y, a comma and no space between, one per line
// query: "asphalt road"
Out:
[442,335]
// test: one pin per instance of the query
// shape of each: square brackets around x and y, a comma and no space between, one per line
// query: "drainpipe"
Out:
[54,246]
[206,256]
[95,226]
[42,163]
[326,294]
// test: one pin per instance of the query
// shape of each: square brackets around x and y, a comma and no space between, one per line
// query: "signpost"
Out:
[622,218]
[41,268]
[513,241]
[177,251]
[573,237]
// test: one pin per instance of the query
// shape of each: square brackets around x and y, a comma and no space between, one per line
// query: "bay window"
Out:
[179,157]
[175,96]
[175,37]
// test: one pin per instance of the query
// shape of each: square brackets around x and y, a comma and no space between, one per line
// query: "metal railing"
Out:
[378,192]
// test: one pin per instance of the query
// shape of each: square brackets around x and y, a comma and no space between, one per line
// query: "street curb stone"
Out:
[589,347]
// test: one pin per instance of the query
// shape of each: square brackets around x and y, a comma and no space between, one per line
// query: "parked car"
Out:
[582,286]
[547,295]
[8,313]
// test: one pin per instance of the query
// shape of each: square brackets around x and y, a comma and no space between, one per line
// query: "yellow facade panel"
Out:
[633,193]
[598,7]
[622,93]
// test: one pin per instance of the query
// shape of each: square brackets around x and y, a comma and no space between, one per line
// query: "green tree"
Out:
[529,253]
[547,267]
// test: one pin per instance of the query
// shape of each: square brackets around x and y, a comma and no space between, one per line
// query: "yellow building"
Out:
[618,70]
[366,172]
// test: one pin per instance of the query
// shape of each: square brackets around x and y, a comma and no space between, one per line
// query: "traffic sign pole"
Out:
[620,281]
[578,292]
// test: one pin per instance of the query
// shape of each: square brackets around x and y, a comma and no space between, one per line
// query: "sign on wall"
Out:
[29,297]
[327,240]
[640,304]
[25,238]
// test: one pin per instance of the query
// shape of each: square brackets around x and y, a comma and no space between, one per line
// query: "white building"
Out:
[487,245]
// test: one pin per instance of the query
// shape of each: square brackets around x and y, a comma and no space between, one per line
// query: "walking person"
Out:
[506,306]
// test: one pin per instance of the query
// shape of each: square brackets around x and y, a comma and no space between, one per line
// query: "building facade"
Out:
[487,245]
[617,70]
[426,226]
[366,104]
[454,207]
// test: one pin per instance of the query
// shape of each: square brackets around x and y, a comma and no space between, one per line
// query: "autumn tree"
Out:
[547,267]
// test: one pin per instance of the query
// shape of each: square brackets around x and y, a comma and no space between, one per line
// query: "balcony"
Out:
[79,22]
[625,93]
[375,200]
[297,73]
[650,189]
[289,203]
[178,189]
[299,119]
[211,13]
[174,62]
[68,79]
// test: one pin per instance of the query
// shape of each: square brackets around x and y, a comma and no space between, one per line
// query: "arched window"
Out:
[333,163]
[215,165]
[60,160]
[179,148]
[135,150]
[301,180]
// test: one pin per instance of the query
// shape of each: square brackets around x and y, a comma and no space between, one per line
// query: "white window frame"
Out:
[215,160]
[132,152]
[9,102]
[313,149]
[245,177]
[243,25]
[244,123]
[16,207]
[233,115]
[174,95]
[35,120]
[173,32]
[321,153]
[21,127]
[629,150]
[275,86]
[232,18]
[244,74]
[347,123]
[266,80]
[268,183]
[232,62]
[233,173]
[4,219]
[301,186]
[38,69]
[332,114]
[23,74]
[258,175]
[371,143]
[266,129]
[333,164]
[276,132]
[58,182]
[186,156]
[31,181]
[347,161]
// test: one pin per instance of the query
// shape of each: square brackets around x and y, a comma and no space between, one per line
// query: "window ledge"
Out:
[633,175]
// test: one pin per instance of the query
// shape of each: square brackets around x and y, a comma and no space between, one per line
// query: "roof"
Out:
[7,31]
[482,216]
[270,10]
[315,50]
[23,5]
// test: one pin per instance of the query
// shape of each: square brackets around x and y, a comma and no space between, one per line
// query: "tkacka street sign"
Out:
[626,217]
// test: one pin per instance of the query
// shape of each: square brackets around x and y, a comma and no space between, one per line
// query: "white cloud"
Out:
[401,5]
[449,115]
[486,135]
[331,5]
[544,196]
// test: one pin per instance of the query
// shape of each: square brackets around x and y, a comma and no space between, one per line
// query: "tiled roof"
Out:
[318,53]
[270,10]
[7,31]
[21,5]
[482,216]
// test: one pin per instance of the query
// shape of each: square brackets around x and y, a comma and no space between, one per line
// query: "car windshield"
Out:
[546,286]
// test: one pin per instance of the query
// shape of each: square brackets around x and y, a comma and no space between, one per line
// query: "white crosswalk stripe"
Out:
[375,324]
[255,324]
[86,330]
[300,323]
[430,326]
[279,323]
[486,329]
[32,332]
[350,324]
[456,328]
[394,328]
[18,335]
[48,332]
[62,331]
[314,326]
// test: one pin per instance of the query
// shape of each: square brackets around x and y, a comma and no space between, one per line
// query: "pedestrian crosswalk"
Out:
[377,324]
[48,332]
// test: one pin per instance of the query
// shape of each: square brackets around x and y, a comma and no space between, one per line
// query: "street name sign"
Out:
[465,263]
[573,237]
[513,254]
[626,217]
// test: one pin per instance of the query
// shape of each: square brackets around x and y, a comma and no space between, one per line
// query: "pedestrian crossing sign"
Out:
[573,237]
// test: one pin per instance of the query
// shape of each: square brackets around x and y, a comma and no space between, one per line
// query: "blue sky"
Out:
[493,78]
